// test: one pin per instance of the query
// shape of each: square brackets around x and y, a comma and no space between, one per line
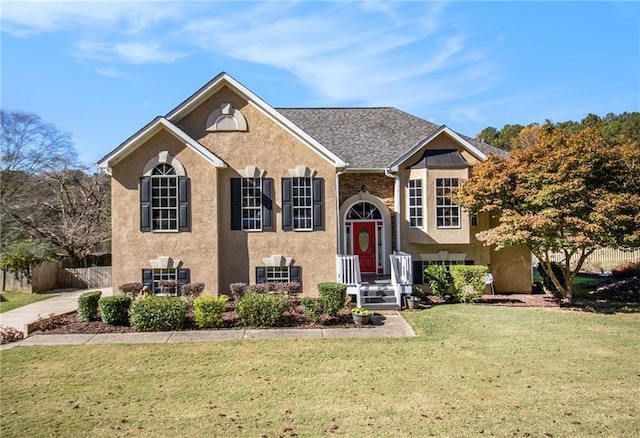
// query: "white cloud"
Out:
[399,54]
[28,18]
[406,54]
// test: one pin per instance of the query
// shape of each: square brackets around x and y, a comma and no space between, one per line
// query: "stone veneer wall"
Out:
[376,184]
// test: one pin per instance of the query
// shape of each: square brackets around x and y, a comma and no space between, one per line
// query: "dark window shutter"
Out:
[183,277]
[236,203]
[418,272]
[183,203]
[261,274]
[318,207]
[469,262]
[267,204]
[295,274]
[147,278]
[145,203]
[287,205]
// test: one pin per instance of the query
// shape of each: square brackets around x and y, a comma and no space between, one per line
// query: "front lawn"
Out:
[13,300]
[473,370]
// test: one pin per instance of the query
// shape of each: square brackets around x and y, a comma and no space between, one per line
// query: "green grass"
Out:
[13,300]
[473,370]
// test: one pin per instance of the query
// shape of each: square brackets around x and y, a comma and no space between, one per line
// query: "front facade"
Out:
[227,189]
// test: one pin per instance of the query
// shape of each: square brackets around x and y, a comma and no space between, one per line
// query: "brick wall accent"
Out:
[376,184]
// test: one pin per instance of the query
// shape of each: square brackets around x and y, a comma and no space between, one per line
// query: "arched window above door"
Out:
[363,211]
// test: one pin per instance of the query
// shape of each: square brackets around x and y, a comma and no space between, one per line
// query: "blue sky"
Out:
[101,71]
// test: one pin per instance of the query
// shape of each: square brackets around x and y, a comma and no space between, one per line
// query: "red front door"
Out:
[364,245]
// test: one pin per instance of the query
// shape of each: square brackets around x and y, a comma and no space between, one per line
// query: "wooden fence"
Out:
[605,258]
[48,276]
[83,278]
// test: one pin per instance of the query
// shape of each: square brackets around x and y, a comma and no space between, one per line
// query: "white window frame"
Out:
[164,199]
[447,211]
[302,203]
[164,274]
[251,198]
[277,274]
[416,204]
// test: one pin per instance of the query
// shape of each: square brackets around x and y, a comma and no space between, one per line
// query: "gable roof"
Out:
[374,138]
[222,80]
[152,128]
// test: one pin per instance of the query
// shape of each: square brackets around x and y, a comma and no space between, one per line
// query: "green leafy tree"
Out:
[20,257]
[566,192]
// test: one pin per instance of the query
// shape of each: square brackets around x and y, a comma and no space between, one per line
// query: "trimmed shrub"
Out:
[238,290]
[468,282]
[626,270]
[260,288]
[132,290]
[262,310]
[313,308]
[159,314]
[289,288]
[9,334]
[88,305]
[191,290]
[208,310]
[439,279]
[115,309]
[334,296]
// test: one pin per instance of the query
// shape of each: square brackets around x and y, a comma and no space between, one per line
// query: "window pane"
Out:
[447,211]
[302,201]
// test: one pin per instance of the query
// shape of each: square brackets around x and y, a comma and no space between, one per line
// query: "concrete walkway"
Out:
[389,324]
[66,302]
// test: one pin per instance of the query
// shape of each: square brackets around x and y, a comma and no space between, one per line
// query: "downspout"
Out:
[396,206]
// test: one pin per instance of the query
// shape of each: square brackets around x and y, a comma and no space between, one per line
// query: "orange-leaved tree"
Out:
[559,192]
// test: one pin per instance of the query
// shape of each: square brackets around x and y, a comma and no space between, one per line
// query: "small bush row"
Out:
[238,290]
[466,282]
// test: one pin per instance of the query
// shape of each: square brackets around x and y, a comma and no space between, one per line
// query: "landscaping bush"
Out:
[132,290]
[237,290]
[288,288]
[159,314]
[626,270]
[191,290]
[260,288]
[9,334]
[208,310]
[439,279]
[334,296]
[314,308]
[262,310]
[468,282]
[115,309]
[88,306]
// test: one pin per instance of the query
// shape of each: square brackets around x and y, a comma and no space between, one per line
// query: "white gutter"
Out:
[396,206]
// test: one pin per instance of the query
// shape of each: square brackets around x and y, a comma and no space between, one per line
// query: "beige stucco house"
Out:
[226,188]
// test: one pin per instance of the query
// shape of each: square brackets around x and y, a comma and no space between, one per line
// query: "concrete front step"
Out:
[380,306]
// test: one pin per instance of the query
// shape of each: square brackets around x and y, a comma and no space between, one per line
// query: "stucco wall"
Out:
[197,248]
[272,149]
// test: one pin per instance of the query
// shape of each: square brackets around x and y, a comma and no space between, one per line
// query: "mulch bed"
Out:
[618,296]
[69,324]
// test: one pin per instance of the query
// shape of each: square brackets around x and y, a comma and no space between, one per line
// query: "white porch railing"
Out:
[401,275]
[348,269]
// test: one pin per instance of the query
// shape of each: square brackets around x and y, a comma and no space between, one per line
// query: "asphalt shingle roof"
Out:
[367,138]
